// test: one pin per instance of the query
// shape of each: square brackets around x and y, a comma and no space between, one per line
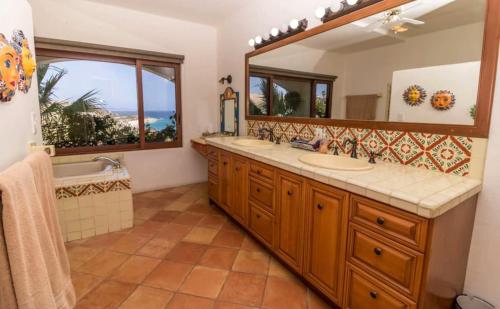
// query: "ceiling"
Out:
[212,13]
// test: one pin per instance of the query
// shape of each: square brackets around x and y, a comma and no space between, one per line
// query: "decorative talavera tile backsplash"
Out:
[444,153]
[92,188]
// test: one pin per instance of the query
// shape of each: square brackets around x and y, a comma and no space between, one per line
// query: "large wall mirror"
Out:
[423,65]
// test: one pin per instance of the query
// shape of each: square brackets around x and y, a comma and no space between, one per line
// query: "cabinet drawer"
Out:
[365,292]
[213,167]
[213,153]
[262,193]
[262,171]
[261,224]
[386,259]
[213,188]
[390,222]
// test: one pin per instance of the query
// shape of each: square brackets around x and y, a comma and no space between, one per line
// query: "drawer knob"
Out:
[290,193]
[373,294]
[380,221]
[320,207]
[378,251]
[259,172]
[225,163]
[258,190]
[237,169]
[258,216]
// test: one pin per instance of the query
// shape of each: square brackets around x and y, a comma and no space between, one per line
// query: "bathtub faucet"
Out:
[115,163]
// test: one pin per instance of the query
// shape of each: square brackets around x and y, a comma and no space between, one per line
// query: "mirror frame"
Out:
[486,89]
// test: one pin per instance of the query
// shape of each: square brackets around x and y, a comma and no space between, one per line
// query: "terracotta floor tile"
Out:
[251,245]
[245,289]
[278,270]
[152,194]
[146,229]
[201,235]
[168,275]
[204,281]
[226,238]
[164,216]
[315,302]
[177,205]
[84,283]
[224,305]
[103,264]
[145,213]
[129,244]
[219,257]
[186,252]
[182,301]
[284,293]
[174,232]
[188,218]
[171,196]
[103,241]
[82,253]
[135,269]
[147,298]
[203,208]
[109,294]
[156,248]
[252,262]
[182,189]
[212,221]
[231,226]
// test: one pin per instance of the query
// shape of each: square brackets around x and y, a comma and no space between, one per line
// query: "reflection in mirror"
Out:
[229,112]
[408,64]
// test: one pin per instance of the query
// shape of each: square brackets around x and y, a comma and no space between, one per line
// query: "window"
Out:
[278,92]
[90,102]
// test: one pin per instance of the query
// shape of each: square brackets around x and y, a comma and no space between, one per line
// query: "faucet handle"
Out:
[372,156]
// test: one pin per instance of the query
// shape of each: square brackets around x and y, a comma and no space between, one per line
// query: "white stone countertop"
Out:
[426,193]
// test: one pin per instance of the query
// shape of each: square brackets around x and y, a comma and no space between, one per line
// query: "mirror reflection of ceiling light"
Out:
[398,29]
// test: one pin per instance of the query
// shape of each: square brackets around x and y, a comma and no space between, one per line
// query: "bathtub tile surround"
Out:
[443,153]
[90,206]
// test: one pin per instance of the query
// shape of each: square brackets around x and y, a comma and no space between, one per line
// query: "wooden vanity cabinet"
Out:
[357,252]
[289,227]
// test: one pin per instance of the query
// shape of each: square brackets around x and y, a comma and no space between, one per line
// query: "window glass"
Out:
[159,95]
[321,100]
[291,98]
[258,95]
[87,103]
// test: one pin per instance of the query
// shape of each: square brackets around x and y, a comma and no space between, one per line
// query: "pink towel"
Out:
[37,258]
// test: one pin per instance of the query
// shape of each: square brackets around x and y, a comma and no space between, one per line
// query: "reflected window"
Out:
[322,100]
[291,97]
[259,94]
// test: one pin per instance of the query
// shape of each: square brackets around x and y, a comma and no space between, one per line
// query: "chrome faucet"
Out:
[354,150]
[115,163]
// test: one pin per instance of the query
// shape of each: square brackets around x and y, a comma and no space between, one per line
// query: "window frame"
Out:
[272,74]
[137,63]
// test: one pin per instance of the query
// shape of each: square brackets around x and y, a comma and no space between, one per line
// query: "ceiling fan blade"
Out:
[412,21]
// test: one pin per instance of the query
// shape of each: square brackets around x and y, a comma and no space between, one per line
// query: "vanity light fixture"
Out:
[320,12]
[343,7]
[295,26]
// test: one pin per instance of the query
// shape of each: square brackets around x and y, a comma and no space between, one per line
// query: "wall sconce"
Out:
[342,7]
[228,79]
[295,26]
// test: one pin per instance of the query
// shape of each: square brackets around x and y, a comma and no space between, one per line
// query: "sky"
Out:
[116,85]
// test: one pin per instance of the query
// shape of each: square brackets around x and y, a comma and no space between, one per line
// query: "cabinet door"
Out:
[225,180]
[289,232]
[326,238]
[239,206]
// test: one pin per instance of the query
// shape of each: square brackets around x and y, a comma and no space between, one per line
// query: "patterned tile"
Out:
[448,154]
[92,188]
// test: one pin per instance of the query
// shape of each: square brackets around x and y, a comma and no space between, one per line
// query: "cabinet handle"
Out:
[225,163]
[290,193]
[380,221]
[378,251]
[258,216]
[320,207]
[259,172]
[258,190]
[373,294]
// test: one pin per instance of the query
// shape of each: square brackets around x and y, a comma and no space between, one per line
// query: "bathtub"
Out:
[92,199]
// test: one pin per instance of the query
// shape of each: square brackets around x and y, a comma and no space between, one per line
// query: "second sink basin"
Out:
[335,162]
[252,143]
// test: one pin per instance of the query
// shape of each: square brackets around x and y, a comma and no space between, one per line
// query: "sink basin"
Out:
[252,143]
[335,162]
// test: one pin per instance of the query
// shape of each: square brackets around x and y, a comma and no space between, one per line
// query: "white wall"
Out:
[102,24]
[483,271]
[15,116]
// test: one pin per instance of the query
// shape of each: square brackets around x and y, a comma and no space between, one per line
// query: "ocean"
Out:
[157,119]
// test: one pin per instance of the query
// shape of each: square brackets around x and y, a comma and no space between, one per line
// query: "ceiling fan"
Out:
[394,20]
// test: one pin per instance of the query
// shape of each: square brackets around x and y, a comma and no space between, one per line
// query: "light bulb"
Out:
[294,24]
[352,2]
[275,32]
[320,12]
[251,42]
[258,39]
[336,6]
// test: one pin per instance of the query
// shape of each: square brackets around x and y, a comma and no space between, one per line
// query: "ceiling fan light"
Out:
[294,24]
[258,39]
[320,12]
[336,6]
[251,42]
[352,2]
[275,32]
